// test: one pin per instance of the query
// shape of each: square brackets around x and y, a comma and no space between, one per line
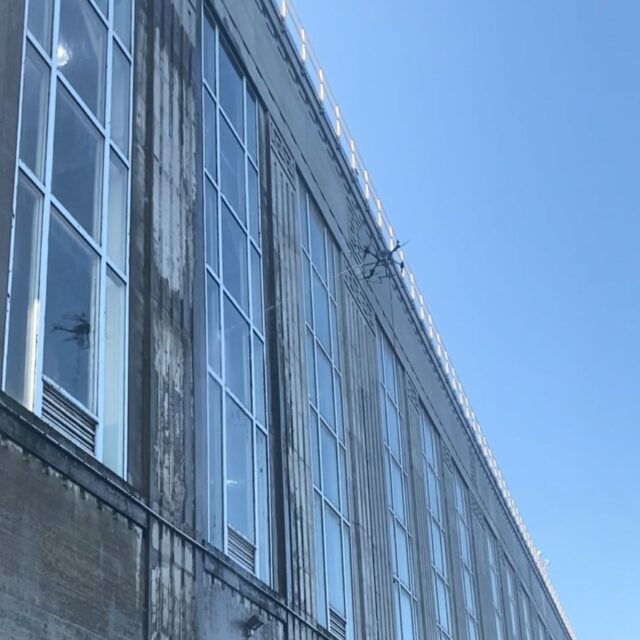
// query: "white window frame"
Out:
[390,391]
[107,266]
[329,283]
[437,524]
[495,583]
[222,534]
[467,558]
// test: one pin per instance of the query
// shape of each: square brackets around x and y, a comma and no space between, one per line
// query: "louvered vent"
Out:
[69,419]
[337,625]
[241,550]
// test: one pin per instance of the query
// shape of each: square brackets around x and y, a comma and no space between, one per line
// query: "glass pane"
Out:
[346,541]
[239,470]
[114,375]
[441,598]
[210,147]
[211,222]
[120,100]
[35,95]
[311,369]
[339,409]
[231,90]
[236,353]
[256,289]
[318,249]
[332,259]
[432,493]
[437,548]
[232,169]
[320,570]
[209,53]
[262,486]
[40,20]
[344,502]
[402,551]
[234,259]
[406,608]
[315,447]
[321,313]
[118,192]
[122,20]
[397,489]
[393,429]
[252,125]
[82,52]
[258,372]
[103,5]
[335,342]
[71,314]
[304,222]
[24,309]
[325,387]
[254,203]
[429,444]
[334,562]
[330,486]
[464,543]
[213,324]
[389,369]
[77,163]
[216,527]
[306,284]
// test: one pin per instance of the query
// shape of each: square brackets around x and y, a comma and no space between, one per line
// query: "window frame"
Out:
[108,269]
[220,532]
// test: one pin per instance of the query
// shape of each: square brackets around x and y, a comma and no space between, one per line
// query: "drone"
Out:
[377,261]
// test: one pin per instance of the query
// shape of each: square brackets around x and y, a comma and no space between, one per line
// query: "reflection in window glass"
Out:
[23,317]
[252,126]
[239,470]
[213,324]
[35,97]
[40,21]
[209,53]
[234,258]
[232,170]
[118,206]
[231,90]
[120,100]
[211,224]
[77,163]
[237,354]
[70,320]
[113,444]
[210,146]
[82,52]
[122,20]
[334,561]
[494,577]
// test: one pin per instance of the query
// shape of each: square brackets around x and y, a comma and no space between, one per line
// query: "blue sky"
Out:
[504,140]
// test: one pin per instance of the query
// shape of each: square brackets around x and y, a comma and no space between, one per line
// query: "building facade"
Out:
[223,414]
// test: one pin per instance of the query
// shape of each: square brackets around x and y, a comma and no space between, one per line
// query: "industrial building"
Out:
[226,411]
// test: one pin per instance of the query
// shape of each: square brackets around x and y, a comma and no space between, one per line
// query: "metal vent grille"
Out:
[241,550]
[69,419]
[337,625]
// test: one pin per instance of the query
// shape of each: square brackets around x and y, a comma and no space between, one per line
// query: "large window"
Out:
[494,578]
[397,502]
[326,423]
[67,324]
[465,546]
[437,529]
[238,478]
[512,604]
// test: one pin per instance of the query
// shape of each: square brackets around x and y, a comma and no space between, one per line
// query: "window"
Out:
[526,616]
[494,577]
[67,313]
[437,530]
[542,632]
[511,602]
[465,548]
[237,431]
[396,481]
[326,423]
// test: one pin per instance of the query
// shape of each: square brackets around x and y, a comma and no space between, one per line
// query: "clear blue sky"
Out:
[504,139]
